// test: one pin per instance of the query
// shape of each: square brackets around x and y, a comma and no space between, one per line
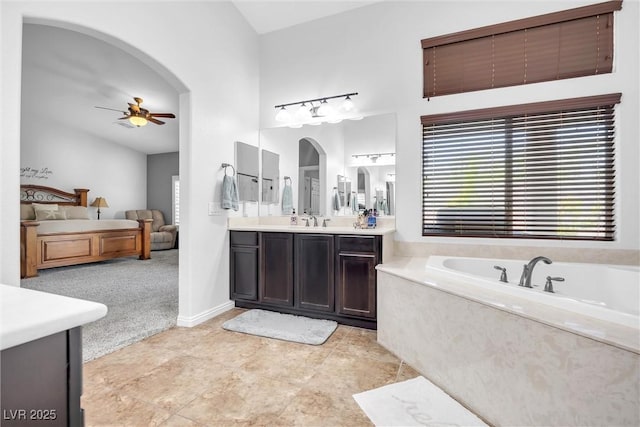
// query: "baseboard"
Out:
[204,316]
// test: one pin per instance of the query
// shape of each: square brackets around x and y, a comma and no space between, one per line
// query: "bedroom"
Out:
[230,78]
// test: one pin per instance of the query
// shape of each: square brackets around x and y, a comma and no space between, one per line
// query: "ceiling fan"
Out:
[139,116]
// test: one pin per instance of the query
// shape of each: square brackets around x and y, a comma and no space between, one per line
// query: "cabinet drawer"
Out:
[245,238]
[357,244]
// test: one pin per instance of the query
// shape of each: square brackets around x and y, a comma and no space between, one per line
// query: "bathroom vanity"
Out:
[41,343]
[318,272]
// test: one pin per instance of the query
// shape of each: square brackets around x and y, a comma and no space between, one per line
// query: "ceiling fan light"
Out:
[138,121]
[283,115]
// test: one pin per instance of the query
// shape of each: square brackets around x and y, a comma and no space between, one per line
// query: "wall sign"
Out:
[35,173]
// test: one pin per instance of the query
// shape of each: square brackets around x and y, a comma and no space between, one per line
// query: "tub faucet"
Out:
[528,269]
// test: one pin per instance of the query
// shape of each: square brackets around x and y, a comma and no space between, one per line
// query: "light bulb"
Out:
[303,114]
[347,105]
[283,115]
[325,109]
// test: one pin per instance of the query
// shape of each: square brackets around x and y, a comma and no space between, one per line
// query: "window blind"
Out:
[571,43]
[542,170]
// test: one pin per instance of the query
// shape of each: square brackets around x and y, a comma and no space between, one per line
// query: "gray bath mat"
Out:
[282,326]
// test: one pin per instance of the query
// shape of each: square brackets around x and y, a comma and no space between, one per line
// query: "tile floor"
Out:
[206,376]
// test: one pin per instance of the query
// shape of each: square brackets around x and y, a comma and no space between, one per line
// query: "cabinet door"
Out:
[244,272]
[356,284]
[276,268]
[314,260]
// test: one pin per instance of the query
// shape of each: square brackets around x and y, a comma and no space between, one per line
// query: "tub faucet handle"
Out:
[503,275]
[523,276]
[548,287]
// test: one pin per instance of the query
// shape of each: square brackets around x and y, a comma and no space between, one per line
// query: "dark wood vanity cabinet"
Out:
[314,263]
[276,268]
[244,265]
[317,275]
[356,259]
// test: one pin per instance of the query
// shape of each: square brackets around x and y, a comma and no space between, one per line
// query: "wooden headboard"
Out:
[48,195]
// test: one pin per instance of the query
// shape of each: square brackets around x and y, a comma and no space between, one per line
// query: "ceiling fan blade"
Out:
[167,115]
[124,118]
[152,120]
[112,109]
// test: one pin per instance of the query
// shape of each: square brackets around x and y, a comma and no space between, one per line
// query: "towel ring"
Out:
[287,178]
[228,165]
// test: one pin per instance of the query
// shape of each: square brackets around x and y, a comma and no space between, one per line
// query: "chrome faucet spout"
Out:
[529,269]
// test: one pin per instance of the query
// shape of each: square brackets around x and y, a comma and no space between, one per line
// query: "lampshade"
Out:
[283,115]
[325,109]
[137,121]
[347,105]
[303,113]
[100,202]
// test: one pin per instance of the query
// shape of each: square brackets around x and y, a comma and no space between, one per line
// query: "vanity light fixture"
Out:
[373,156]
[316,111]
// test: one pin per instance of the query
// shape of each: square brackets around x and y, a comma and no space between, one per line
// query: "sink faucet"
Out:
[528,269]
[315,220]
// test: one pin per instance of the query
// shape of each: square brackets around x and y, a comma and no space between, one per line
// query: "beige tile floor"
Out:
[206,376]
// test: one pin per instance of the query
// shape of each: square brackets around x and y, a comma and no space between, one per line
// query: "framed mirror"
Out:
[247,171]
[270,177]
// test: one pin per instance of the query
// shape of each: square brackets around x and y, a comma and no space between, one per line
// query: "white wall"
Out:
[210,55]
[61,157]
[375,50]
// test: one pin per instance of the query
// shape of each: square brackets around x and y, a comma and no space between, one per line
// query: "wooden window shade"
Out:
[541,170]
[571,43]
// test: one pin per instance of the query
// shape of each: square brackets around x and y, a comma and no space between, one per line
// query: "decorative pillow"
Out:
[75,212]
[44,207]
[27,212]
[46,215]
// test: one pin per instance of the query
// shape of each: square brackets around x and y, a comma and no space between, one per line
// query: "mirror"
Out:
[336,169]
[247,171]
[270,177]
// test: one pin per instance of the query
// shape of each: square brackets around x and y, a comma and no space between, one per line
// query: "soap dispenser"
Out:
[294,218]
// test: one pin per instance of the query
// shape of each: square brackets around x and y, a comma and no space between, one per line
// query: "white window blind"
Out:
[543,170]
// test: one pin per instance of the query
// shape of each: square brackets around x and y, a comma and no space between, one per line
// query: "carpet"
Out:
[285,327]
[141,297]
[416,402]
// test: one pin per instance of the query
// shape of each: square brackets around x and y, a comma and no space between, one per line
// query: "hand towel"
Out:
[287,199]
[336,201]
[229,193]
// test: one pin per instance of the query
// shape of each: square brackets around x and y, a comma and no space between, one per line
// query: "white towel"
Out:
[229,193]
[287,199]
[354,203]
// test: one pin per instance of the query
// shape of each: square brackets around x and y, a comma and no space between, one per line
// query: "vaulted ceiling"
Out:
[67,74]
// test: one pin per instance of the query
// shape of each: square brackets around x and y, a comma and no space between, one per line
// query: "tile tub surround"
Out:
[502,365]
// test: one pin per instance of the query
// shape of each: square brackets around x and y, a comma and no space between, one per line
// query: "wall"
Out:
[217,80]
[160,169]
[61,157]
[375,50]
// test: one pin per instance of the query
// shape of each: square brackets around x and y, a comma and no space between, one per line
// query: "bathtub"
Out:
[605,292]
[514,355]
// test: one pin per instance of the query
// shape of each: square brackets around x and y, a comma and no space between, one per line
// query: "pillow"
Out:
[27,212]
[75,212]
[44,207]
[49,214]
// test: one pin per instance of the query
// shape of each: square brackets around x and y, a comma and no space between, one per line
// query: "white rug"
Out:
[282,326]
[416,402]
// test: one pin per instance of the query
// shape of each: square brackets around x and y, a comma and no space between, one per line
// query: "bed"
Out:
[55,231]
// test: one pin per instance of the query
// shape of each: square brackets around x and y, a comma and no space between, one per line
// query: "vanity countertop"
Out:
[27,315]
[316,230]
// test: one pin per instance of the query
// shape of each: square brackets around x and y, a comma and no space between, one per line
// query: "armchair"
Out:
[163,236]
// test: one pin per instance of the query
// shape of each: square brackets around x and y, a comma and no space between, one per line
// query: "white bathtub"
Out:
[605,292]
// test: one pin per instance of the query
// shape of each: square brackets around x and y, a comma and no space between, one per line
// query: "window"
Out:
[571,43]
[542,170]
[175,181]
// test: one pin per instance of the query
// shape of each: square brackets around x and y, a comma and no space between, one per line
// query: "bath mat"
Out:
[416,402]
[282,326]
